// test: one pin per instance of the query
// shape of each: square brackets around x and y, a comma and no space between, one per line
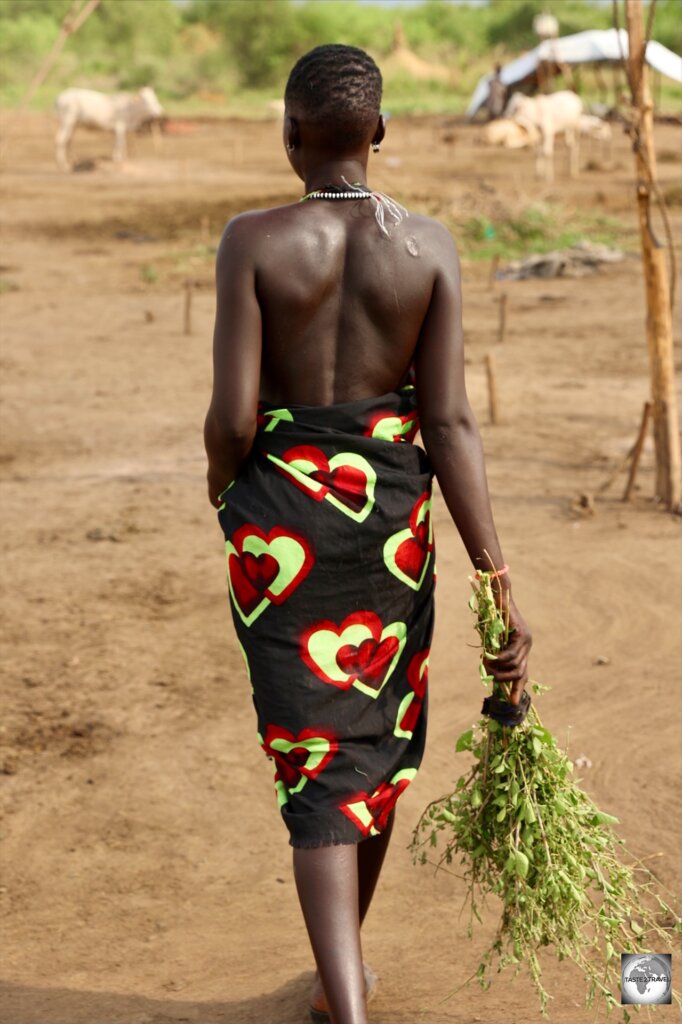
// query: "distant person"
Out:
[338,333]
[497,95]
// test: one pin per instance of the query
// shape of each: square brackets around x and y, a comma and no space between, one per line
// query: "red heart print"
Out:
[382,422]
[295,762]
[368,662]
[383,800]
[252,575]
[379,805]
[247,596]
[348,483]
[345,656]
[413,552]
[417,674]
[260,570]
[418,678]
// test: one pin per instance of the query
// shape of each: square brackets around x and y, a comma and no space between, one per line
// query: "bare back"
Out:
[341,303]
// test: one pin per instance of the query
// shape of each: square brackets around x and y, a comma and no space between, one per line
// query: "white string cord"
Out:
[383,204]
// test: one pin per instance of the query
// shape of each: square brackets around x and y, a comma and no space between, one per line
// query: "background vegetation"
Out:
[231,56]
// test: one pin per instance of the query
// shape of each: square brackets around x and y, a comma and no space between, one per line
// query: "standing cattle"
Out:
[119,113]
[558,112]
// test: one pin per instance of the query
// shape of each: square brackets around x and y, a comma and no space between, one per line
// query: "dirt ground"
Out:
[145,873]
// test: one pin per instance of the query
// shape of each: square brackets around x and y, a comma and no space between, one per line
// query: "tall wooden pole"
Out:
[659,317]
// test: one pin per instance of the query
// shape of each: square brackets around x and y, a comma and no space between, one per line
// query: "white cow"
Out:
[550,115]
[119,113]
[509,134]
[595,127]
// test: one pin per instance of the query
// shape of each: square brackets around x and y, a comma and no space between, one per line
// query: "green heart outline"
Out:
[277,586]
[315,486]
[358,632]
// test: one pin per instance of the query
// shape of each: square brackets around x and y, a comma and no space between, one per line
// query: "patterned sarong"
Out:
[330,563]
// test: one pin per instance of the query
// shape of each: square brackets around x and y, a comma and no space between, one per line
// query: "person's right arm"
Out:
[230,424]
[453,443]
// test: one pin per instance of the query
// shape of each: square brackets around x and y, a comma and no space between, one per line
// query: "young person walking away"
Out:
[338,335]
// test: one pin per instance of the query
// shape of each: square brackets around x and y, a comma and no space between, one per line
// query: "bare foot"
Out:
[317,997]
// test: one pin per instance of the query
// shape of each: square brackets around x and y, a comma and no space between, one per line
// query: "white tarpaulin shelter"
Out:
[582,48]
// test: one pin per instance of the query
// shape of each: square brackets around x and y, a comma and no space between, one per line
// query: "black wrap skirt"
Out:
[330,568]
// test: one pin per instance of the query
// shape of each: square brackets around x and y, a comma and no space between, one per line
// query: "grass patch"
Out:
[149,273]
[538,228]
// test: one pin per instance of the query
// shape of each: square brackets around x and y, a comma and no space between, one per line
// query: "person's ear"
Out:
[292,135]
[379,133]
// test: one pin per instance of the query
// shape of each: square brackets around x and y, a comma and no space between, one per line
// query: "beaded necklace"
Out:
[383,204]
[338,192]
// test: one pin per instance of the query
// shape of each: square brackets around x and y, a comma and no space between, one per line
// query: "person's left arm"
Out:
[230,424]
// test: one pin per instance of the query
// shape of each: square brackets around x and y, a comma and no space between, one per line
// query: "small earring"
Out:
[290,147]
[375,147]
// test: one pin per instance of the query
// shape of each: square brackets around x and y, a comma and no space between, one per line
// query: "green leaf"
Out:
[521,864]
[464,741]
[600,818]
[537,746]
[528,812]
[635,928]
[476,798]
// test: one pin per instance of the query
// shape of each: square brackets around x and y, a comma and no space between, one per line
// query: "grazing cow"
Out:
[557,112]
[595,127]
[119,113]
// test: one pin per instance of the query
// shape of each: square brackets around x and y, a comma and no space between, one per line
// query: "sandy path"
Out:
[146,875]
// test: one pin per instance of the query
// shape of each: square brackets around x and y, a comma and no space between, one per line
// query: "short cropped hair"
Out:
[339,88]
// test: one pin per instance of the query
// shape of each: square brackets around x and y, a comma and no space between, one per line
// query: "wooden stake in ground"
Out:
[187,308]
[492,277]
[637,451]
[659,318]
[492,387]
[502,323]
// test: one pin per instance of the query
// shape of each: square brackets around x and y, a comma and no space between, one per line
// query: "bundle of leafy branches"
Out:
[524,831]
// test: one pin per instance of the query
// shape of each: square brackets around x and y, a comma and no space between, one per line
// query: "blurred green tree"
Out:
[261,38]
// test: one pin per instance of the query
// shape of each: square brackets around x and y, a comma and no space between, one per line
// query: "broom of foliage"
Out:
[524,830]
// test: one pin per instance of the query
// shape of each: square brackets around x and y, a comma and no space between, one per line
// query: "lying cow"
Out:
[509,134]
[119,113]
[549,115]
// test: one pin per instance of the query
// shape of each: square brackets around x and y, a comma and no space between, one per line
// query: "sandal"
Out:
[318,1016]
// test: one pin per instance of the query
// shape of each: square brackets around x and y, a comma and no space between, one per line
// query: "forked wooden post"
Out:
[492,387]
[659,317]
[187,307]
[637,450]
[502,323]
